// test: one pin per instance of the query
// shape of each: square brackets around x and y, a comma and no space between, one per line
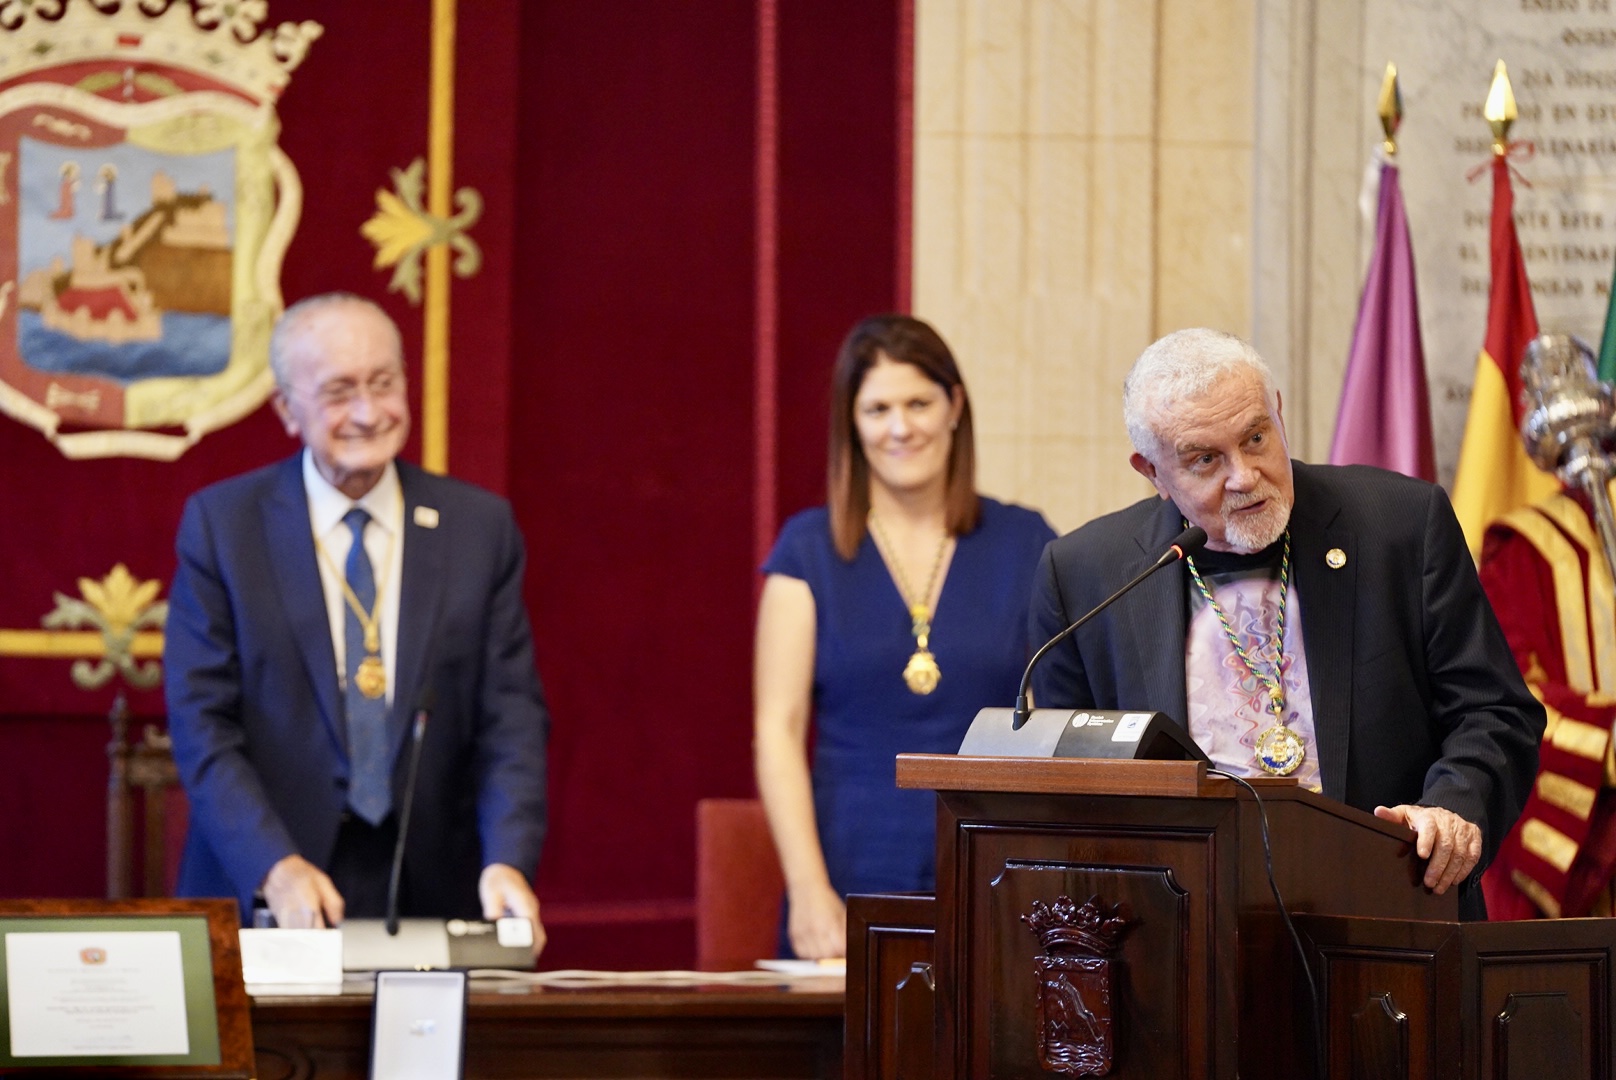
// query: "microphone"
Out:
[423,712]
[1185,543]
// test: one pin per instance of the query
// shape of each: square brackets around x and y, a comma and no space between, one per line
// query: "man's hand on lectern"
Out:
[504,891]
[301,896]
[1450,844]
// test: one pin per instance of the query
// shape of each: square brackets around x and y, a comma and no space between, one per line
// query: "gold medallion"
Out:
[1279,750]
[921,673]
[371,678]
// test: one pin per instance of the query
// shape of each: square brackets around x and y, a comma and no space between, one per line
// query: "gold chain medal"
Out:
[922,674]
[1279,750]
[371,676]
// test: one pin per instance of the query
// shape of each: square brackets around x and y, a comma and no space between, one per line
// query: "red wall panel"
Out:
[603,375]
[631,431]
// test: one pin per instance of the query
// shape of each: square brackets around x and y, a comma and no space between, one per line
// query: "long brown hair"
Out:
[905,340]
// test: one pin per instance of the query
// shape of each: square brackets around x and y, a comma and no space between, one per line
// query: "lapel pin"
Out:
[426,517]
[1335,558]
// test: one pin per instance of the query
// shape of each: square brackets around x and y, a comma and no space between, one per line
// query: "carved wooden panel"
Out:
[1137,1002]
[891,998]
[1378,1006]
[1547,1012]
[1379,1040]
[1077,983]
[1541,1035]
[1483,1001]
[1171,987]
[914,1024]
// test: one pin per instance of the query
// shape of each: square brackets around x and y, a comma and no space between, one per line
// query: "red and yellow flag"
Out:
[1495,476]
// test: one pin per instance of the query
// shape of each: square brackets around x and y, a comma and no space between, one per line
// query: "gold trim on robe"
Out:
[1562,791]
[1570,595]
[1548,843]
[1601,590]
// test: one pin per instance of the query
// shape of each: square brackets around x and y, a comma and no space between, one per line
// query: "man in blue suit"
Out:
[318,604]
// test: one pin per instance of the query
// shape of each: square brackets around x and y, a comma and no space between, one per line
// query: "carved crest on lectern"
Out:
[1076,1026]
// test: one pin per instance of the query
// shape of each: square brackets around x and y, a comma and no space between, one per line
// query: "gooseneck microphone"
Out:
[423,712]
[1185,543]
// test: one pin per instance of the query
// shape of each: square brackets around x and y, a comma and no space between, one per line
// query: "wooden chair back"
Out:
[146,810]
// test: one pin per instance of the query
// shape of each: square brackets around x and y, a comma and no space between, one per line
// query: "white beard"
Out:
[1251,533]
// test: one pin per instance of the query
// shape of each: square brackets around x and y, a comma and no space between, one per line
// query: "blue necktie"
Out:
[369,781]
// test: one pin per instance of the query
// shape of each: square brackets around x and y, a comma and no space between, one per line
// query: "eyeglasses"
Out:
[340,395]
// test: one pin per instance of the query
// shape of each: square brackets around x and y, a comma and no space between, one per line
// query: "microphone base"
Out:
[1080,733]
[437,943]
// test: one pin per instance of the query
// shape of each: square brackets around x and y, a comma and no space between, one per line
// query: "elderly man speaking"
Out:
[318,603]
[1333,630]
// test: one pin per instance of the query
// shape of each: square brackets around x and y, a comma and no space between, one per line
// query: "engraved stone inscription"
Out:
[1561,56]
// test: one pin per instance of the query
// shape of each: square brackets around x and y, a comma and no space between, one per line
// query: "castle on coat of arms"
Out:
[175,256]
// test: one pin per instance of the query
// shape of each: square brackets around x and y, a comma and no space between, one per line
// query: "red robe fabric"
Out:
[1521,585]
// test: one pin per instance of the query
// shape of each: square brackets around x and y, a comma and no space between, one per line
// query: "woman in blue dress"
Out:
[889,616]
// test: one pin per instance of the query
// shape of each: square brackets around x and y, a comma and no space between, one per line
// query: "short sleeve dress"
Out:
[877,838]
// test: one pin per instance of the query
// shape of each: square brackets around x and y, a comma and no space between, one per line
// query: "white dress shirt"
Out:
[384,543]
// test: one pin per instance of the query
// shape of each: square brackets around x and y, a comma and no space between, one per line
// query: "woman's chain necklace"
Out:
[921,674]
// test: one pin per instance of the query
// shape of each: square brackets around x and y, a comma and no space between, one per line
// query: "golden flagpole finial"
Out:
[1390,109]
[1500,109]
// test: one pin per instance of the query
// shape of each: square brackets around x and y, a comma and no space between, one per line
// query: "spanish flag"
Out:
[1495,476]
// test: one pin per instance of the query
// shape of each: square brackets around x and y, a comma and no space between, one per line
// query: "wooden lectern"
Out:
[1115,918]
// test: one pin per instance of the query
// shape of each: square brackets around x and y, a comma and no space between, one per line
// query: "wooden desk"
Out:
[521,1032]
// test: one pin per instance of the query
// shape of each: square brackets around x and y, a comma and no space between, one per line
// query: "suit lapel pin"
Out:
[1335,558]
[426,517]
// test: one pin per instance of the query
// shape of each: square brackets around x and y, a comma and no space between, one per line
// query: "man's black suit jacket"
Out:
[1416,696]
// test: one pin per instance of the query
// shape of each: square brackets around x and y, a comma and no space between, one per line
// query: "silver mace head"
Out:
[1567,426]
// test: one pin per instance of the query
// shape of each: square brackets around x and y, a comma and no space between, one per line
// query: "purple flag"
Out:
[1385,416]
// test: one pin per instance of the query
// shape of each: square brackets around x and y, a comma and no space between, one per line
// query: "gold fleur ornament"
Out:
[402,230]
[119,606]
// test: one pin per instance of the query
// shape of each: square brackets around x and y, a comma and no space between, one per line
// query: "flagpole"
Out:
[1390,109]
[1494,474]
[1384,418]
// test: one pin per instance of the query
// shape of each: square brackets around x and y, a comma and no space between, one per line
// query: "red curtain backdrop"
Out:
[603,376]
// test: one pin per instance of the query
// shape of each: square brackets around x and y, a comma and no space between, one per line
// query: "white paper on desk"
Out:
[805,967]
[92,993]
[291,958]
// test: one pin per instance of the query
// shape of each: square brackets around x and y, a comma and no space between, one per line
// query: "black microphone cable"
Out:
[1285,917]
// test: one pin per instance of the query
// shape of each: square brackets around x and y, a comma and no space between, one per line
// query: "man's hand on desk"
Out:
[300,896]
[505,891]
[1450,844]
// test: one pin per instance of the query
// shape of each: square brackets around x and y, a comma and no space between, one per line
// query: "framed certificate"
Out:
[122,987]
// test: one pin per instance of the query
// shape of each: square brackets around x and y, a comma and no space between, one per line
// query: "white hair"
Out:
[284,338]
[1183,365]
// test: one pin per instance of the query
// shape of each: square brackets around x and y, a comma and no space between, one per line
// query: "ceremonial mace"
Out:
[1568,424]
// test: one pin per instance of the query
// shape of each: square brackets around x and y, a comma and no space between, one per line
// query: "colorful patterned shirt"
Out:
[1228,705]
